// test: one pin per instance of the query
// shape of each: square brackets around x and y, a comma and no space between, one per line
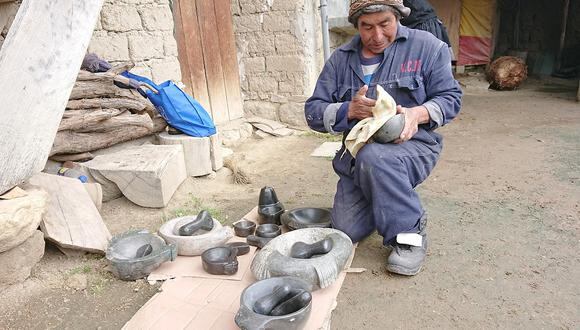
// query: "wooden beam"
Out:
[562,34]
[195,52]
[229,59]
[212,61]
[39,63]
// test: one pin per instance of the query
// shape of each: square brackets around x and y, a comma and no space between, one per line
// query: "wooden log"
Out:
[123,120]
[88,89]
[70,142]
[39,62]
[131,104]
[82,157]
[81,120]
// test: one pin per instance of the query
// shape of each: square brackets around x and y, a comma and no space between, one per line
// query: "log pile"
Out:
[100,114]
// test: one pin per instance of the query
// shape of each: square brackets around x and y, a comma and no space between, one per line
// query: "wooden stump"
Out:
[147,175]
[196,151]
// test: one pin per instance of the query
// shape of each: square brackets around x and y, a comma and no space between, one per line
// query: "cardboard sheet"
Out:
[192,267]
[210,302]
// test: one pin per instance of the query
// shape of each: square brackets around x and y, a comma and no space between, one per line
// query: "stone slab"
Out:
[327,149]
[20,217]
[147,175]
[196,150]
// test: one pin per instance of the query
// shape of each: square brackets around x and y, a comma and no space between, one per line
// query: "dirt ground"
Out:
[504,227]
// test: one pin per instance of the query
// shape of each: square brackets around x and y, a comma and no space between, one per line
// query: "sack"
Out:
[178,108]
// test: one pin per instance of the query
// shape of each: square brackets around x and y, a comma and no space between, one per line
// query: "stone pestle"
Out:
[144,251]
[266,304]
[302,250]
[202,221]
[294,303]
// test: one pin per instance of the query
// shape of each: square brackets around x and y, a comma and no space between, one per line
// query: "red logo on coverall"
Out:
[411,66]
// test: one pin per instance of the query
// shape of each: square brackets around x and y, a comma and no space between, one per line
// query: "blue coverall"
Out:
[375,191]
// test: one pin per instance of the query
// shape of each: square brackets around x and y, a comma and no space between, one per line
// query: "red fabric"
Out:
[474,50]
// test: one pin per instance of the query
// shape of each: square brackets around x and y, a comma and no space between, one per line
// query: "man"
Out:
[375,191]
[423,17]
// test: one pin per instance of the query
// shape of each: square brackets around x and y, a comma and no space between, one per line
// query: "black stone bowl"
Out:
[268,230]
[220,260]
[247,318]
[270,213]
[244,228]
[307,217]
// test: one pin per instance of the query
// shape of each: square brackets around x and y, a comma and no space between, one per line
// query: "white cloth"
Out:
[384,109]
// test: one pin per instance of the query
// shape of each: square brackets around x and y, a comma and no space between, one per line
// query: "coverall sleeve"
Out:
[324,113]
[443,91]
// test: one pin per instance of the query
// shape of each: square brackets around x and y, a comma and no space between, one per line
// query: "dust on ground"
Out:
[504,227]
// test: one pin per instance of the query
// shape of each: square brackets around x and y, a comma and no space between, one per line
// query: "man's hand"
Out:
[413,117]
[361,106]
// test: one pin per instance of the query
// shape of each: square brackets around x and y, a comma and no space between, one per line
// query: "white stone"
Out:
[19,217]
[196,151]
[17,263]
[293,114]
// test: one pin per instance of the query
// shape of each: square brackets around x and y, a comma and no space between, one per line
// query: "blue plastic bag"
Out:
[178,108]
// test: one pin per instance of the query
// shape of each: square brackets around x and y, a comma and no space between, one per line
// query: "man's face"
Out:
[377,31]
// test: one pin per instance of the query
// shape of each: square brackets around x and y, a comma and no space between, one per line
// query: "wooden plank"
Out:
[39,63]
[181,47]
[449,11]
[72,220]
[229,58]
[195,52]
[212,60]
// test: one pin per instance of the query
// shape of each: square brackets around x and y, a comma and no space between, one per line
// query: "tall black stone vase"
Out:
[269,207]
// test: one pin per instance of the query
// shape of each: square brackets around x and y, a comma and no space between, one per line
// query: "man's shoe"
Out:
[407,259]
[409,251]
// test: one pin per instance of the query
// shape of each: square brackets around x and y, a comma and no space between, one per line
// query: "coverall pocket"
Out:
[411,88]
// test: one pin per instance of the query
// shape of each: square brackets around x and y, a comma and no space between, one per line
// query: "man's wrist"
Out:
[422,114]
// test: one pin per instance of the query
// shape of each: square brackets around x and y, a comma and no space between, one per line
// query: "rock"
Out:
[77,282]
[20,217]
[16,264]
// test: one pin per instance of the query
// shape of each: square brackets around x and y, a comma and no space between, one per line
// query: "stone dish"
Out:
[123,249]
[268,230]
[244,228]
[247,319]
[307,217]
[270,213]
[220,260]
[320,272]
[199,242]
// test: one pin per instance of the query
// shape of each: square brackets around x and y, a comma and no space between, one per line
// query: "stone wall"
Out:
[140,31]
[280,55]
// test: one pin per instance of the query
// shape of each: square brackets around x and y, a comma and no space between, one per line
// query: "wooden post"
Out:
[562,34]
[39,63]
